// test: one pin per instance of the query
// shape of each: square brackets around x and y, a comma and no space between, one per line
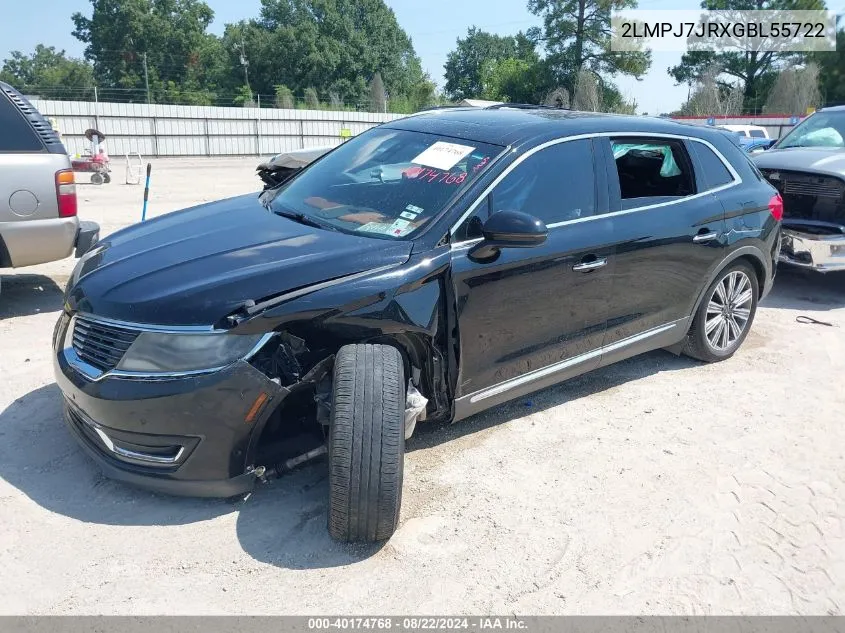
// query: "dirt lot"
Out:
[659,485]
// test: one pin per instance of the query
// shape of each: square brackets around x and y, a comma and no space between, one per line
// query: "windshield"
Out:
[823,129]
[383,183]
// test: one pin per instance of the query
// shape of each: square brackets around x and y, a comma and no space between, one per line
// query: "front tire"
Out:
[366,443]
[725,315]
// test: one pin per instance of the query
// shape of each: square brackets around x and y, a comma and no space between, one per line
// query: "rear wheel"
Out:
[366,443]
[724,317]
[106,178]
[97,178]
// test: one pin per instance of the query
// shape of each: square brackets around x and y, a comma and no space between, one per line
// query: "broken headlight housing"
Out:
[166,352]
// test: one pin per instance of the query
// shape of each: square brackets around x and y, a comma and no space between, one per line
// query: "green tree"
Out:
[312,101]
[49,73]
[755,70]
[332,45]
[170,34]
[832,72]
[615,101]
[515,80]
[378,102]
[476,54]
[577,36]
[284,97]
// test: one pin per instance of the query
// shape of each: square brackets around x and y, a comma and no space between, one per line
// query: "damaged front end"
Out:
[821,248]
[814,219]
[297,429]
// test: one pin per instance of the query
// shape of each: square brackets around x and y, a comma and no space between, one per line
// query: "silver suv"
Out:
[38,221]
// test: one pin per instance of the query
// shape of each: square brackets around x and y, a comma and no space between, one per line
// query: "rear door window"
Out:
[715,173]
[16,135]
[652,171]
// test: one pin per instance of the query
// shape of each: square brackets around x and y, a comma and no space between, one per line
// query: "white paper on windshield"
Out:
[400,227]
[377,227]
[443,155]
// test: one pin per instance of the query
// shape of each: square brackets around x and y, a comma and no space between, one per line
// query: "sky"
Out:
[433,26]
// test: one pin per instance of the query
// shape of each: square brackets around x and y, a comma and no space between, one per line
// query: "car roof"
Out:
[514,126]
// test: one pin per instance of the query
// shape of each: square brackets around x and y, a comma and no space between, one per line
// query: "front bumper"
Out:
[182,436]
[824,253]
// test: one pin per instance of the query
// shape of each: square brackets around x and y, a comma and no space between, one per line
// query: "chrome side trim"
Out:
[94,374]
[737,179]
[569,362]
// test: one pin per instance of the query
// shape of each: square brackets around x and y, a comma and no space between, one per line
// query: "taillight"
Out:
[66,193]
[776,207]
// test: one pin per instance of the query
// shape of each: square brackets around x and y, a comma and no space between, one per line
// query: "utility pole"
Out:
[245,64]
[146,77]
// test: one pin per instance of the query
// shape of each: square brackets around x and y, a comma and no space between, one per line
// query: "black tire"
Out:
[366,443]
[107,178]
[698,345]
[97,178]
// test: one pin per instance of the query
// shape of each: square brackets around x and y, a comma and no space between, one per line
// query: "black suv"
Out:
[429,268]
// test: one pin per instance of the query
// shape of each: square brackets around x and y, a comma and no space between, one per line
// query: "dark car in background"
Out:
[807,166]
[430,268]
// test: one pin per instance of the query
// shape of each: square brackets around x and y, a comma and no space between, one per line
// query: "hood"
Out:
[295,159]
[194,267]
[820,160]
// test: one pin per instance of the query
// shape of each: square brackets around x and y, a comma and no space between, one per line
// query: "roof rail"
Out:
[523,106]
[440,107]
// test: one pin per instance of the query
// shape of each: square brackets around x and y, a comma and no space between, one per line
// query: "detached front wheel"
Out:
[366,443]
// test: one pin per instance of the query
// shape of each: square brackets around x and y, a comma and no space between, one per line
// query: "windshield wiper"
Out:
[305,219]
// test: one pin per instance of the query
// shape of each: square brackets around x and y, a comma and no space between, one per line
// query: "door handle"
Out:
[705,237]
[585,267]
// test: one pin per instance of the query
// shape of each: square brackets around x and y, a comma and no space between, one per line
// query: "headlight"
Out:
[157,352]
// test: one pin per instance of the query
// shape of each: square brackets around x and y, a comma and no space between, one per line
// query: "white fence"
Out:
[174,130]
[776,124]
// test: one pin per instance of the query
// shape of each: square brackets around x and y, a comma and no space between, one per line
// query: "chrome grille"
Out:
[825,188]
[101,344]
[798,184]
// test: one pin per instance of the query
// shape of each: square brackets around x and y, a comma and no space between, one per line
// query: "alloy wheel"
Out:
[728,311]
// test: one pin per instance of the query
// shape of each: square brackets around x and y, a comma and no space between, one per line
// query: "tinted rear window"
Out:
[715,172]
[15,133]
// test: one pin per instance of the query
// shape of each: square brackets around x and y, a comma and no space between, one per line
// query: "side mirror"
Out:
[509,229]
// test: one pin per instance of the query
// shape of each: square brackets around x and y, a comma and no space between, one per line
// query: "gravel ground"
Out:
[659,485]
